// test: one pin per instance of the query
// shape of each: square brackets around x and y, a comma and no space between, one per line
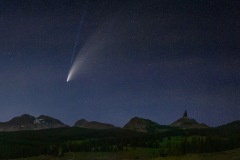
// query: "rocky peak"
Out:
[93,124]
[185,115]
[81,122]
[23,119]
[49,120]
[28,122]
[187,123]
[143,125]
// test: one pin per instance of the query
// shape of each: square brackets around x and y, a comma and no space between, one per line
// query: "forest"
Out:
[56,142]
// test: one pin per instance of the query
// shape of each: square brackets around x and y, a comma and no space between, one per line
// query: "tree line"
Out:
[56,142]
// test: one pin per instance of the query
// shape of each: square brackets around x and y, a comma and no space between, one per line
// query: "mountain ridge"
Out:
[28,122]
[92,124]
[144,125]
[231,125]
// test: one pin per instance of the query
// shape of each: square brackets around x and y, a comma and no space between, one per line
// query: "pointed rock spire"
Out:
[185,114]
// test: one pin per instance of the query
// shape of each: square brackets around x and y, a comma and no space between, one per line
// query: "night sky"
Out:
[147,58]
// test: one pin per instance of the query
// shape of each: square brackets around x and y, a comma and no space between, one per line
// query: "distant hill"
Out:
[92,125]
[144,125]
[187,123]
[28,122]
[232,125]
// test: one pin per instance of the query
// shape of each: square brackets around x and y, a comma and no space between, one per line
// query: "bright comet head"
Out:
[68,78]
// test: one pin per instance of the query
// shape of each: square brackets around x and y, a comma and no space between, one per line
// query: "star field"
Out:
[151,59]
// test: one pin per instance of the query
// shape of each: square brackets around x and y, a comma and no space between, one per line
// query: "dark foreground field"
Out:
[140,154]
[120,144]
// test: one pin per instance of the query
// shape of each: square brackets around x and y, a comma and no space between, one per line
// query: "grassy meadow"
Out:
[140,154]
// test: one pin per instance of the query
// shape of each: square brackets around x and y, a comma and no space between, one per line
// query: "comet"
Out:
[74,71]
[85,56]
[76,44]
[97,43]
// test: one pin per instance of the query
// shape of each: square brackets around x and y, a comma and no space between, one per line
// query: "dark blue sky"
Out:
[151,59]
